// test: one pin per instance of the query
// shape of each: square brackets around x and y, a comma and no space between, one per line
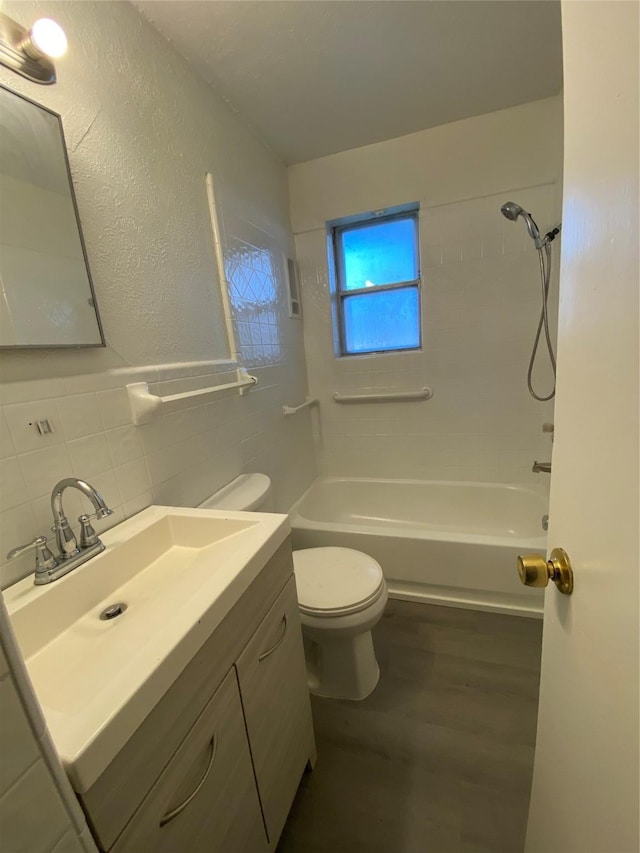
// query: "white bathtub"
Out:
[443,542]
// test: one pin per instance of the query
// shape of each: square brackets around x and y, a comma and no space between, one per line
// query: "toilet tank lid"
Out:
[247,492]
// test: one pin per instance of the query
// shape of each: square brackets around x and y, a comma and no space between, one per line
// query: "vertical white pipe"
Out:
[219,252]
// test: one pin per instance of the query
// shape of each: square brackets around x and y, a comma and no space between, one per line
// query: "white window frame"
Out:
[340,293]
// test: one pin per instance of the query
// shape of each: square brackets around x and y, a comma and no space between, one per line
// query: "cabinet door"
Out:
[205,800]
[275,697]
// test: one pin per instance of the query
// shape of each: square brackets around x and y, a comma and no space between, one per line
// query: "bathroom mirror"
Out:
[46,297]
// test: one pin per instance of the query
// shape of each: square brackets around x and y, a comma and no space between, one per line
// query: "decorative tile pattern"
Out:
[258,302]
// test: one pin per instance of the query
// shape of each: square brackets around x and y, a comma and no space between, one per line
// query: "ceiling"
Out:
[314,77]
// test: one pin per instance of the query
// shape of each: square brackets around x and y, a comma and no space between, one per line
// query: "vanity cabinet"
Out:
[230,738]
[273,684]
[195,804]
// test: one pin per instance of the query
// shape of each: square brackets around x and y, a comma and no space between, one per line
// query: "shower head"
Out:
[512,211]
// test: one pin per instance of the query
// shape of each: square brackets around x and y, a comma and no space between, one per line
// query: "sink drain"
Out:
[113,610]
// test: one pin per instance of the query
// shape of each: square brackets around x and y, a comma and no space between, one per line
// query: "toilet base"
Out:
[341,669]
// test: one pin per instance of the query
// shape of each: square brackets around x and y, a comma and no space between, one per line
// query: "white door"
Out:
[585,786]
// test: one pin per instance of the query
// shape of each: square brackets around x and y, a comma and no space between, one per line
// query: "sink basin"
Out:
[179,572]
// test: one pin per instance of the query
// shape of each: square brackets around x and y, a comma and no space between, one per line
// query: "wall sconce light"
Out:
[29,52]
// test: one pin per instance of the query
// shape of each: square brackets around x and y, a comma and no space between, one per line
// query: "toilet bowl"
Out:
[341,596]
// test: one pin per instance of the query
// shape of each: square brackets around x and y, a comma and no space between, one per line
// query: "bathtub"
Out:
[443,542]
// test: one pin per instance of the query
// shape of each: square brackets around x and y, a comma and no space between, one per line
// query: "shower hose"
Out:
[544,256]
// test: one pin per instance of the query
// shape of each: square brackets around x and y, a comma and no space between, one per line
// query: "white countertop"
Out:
[98,680]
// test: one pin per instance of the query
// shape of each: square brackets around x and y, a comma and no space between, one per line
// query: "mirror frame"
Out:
[6,347]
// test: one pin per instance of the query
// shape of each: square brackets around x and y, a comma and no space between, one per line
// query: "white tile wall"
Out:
[178,459]
[481,303]
[34,816]
[46,820]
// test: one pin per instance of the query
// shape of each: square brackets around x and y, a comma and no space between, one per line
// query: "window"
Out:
[377,292]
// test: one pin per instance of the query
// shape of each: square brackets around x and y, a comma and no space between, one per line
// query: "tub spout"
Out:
[541,468]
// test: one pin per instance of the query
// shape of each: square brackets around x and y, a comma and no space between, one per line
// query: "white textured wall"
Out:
[142,131]
[481,298]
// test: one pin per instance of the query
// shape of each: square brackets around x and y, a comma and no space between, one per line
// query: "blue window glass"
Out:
[379,253]
[378,290]
[382,320]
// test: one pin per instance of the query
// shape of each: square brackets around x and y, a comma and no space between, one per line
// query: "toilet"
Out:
[341,596]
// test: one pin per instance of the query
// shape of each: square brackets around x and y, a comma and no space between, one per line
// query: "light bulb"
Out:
[48,38]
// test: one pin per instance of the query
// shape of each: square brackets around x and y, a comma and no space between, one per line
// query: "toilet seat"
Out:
[336,581]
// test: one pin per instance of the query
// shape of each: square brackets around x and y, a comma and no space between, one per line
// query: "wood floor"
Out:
[439,758]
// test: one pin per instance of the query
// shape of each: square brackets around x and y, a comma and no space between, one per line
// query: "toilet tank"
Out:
[248,493]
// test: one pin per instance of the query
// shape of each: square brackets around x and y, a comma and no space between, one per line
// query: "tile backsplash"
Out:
[179,458]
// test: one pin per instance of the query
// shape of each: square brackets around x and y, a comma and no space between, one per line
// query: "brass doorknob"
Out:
[534,570]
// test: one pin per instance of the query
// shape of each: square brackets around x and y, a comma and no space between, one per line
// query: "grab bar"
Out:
[145,406]
[291,410]
[383,397]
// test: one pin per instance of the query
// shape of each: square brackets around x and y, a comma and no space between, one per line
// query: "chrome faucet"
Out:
[541,468]
[50,567]
[65,537]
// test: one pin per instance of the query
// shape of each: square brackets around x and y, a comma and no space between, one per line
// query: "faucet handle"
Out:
[88,535]
[21,549]
[45,561]
[99,514]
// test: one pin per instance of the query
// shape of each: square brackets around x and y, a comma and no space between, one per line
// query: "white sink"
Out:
[179,571]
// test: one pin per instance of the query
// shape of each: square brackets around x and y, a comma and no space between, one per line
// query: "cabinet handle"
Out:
[277,643]
[169,816]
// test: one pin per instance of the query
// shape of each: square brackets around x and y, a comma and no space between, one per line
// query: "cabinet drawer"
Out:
[275,697]
[206,798]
